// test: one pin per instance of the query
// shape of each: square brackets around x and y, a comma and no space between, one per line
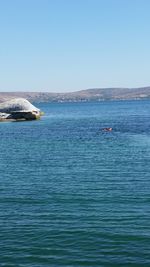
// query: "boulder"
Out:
[4,116]
[18,109]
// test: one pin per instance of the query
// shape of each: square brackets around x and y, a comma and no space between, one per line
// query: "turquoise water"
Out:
[73,195]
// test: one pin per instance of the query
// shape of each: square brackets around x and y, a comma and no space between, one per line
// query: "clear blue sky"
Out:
[68,45]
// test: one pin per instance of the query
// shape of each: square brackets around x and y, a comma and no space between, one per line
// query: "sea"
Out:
[72,194]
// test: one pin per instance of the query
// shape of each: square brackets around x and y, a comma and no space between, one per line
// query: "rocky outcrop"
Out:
[18,109]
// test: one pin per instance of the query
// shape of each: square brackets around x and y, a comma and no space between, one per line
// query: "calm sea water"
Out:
[72,195]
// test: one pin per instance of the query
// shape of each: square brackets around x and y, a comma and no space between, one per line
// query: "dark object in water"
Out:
[107,129]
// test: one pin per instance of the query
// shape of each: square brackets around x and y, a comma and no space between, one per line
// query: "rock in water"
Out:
[18,109]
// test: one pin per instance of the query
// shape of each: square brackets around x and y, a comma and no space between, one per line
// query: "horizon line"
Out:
[66,92]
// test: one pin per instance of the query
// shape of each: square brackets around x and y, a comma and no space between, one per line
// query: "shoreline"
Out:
[87,95]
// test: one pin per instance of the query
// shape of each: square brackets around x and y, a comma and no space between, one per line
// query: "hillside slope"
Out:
[83,95]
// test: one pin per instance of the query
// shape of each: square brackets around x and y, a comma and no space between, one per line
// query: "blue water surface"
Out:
[73,195]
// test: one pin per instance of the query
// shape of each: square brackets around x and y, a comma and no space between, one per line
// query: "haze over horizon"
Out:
[73,91]
[66,46]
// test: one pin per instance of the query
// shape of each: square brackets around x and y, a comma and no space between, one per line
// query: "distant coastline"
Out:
[95,94]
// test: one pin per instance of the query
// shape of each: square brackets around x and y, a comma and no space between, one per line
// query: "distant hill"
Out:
[95,94]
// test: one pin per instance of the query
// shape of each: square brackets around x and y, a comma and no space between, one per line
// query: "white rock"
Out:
[17,109]
[17,104]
